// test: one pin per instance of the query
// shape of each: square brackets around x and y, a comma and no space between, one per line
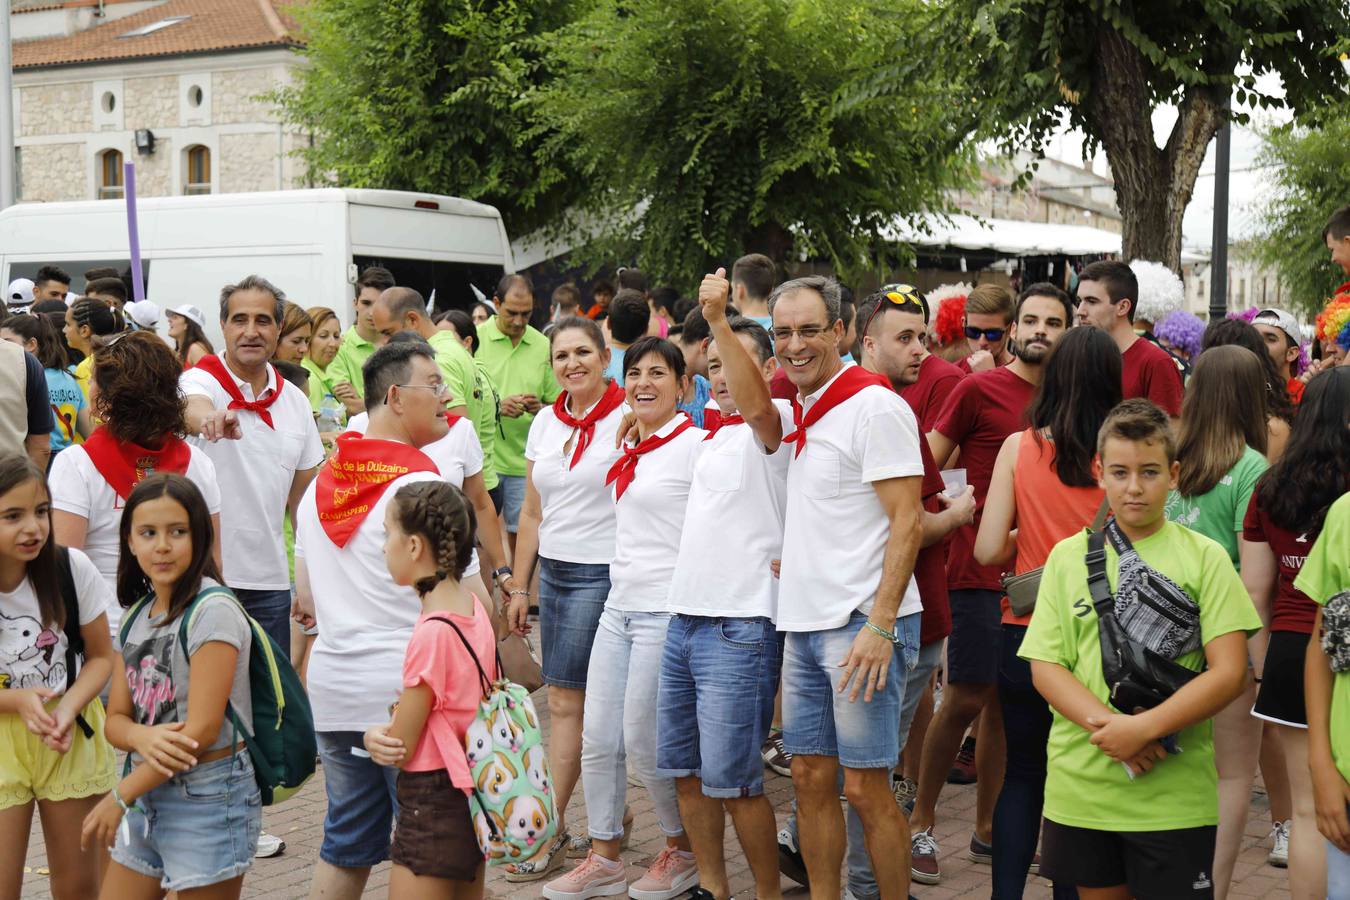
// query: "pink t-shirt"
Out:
[436,657]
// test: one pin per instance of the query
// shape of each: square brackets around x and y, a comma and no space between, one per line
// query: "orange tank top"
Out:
[1048,510]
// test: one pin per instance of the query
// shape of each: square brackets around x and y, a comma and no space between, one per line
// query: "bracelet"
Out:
[518,592]
[122,803]
[888,635]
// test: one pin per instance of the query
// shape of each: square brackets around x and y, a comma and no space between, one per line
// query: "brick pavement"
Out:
[299,822]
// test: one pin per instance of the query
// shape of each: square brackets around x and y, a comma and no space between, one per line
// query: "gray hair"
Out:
[253,283]
[827,288]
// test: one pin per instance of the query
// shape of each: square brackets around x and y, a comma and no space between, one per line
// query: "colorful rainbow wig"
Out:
[1182,330]
[1333,322]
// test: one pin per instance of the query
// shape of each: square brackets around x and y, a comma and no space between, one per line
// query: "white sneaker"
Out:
[269,845]
[1279,853]
[594,877]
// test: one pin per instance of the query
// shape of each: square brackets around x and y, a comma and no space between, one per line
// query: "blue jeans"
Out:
[199,828]
[362,802]
[719,677]
[571,599]
[513,498]
[1338,873]
[271,610]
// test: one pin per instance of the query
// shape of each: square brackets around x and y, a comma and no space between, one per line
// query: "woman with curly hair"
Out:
[133,390]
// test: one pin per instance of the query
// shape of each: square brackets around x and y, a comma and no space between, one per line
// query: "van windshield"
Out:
[453,282]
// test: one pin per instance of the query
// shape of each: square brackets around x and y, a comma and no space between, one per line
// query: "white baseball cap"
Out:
[189,312]
[1281,320]
[20,292]
[145,313]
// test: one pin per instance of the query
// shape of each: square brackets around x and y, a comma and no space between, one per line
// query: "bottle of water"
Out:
[330,414]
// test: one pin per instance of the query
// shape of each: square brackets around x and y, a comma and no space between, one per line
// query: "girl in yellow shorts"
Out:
[52,748]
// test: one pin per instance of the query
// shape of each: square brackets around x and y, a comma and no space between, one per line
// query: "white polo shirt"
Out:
[256,472]
[577,525]
[836,531]
[79,489]
[733,526]
[457,455]
[648,522]
[364,619]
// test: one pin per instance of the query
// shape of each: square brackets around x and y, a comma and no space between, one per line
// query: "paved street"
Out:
[299,822]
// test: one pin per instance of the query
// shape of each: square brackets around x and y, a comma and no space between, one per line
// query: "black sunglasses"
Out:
[989,334]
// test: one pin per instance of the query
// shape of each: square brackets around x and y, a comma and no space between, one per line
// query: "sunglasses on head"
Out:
[902,297]
[989,334]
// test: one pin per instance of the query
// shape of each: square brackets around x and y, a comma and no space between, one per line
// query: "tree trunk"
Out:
[773,240]
[1153,185]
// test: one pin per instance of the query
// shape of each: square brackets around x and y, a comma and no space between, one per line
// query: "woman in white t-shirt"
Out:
[133,391]
[567,528]
[651,487]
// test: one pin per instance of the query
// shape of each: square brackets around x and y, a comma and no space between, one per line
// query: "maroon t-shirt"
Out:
[930,568]
[781,387]
[1294,610]
[928,396]
[981,412]
[1147,371]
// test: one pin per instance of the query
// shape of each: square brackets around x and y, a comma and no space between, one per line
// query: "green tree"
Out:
[703,129]
[1310,171]
[425,95]
[1103,66]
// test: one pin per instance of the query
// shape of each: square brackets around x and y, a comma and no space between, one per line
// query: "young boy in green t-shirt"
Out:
[1326,573]
[1123,816]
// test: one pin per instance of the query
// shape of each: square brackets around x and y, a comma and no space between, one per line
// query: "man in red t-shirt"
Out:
[1281,333]
[1108,293]
[981,412]
[989,313]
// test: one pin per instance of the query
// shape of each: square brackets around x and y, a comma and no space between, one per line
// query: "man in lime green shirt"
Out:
[1121,813]
[516,357]
[358,343]
[1326,573]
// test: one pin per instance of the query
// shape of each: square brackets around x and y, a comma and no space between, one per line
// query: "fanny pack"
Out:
[1149,623]
[1021,590]
[1336,632]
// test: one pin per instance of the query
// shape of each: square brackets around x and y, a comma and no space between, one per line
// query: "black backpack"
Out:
[74,639]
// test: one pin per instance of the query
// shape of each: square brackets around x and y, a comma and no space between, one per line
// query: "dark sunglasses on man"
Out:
[989,334]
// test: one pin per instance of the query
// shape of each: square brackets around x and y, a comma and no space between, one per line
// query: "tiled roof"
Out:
[208,26]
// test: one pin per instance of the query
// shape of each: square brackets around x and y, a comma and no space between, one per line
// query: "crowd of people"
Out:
[1095,563]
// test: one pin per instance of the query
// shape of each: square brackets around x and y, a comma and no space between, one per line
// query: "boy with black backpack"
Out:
[1131,800]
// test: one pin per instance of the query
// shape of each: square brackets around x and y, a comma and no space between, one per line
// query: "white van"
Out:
[310,243]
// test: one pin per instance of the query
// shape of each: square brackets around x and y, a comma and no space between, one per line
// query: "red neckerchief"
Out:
[213,365]
[585,426]
[625,467]
[849,382]
[123,464]
[353,480]
[713,421]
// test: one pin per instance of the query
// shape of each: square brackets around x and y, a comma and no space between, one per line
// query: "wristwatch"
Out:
[503,572]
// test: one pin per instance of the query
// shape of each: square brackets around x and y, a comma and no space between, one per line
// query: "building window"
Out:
[110,176]
[198,171]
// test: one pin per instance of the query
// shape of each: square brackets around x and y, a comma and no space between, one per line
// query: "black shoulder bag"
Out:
[1137,677]
[74,639]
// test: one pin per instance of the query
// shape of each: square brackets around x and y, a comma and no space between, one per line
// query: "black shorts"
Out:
[1280,699]
[977,631]
[1155,865]
[434,836]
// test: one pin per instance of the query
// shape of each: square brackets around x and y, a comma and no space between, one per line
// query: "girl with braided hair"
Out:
[430,528]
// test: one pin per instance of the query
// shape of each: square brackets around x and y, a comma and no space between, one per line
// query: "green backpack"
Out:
[280,739]
[512,799]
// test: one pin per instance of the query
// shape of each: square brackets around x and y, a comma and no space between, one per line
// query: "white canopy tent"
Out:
[1011,237]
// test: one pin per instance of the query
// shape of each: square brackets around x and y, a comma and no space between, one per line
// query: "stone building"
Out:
[173,85]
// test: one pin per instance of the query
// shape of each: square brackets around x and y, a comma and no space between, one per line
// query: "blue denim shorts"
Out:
[362,802]
[818,720]
[571,599]
[199,828]
[513,498]
[719,677]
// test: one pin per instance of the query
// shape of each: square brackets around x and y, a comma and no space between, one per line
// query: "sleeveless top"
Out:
[1048,510]
[13,398]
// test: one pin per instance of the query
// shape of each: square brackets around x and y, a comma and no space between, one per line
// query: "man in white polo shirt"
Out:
[364,619]
[722,657]
[259,431]
[846,599]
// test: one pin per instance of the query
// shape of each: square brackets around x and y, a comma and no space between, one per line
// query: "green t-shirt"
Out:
[320,383]
[523,368]
[1084,787]
[351,356]
[1218,513]
[1326,573]
[461,376]
[486,422]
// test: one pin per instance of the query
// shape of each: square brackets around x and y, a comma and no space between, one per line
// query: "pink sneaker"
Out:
[671,874]
[593,877]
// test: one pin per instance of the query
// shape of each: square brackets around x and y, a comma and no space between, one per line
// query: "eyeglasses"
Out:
[989,334]
[440,390]
[900,296]
[806,333]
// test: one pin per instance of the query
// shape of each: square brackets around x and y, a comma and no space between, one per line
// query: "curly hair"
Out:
[1182,330]
[138,398]
[442,515]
